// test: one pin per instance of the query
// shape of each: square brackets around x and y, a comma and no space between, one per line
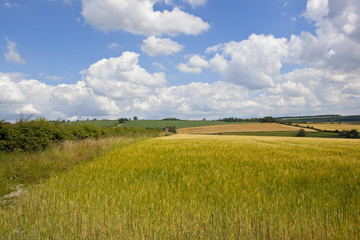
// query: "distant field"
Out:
[178,124]
[333,127]
[325,118]
[200,187]
[98,123]
[284,134]
[251,127]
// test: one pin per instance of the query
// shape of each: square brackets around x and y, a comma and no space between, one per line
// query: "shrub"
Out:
[301,133]
[34,135]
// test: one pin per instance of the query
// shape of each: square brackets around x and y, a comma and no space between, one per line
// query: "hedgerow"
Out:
[39,134]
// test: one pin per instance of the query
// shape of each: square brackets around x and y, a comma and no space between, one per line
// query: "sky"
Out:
[189,59]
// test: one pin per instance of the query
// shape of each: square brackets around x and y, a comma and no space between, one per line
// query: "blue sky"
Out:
[79,59]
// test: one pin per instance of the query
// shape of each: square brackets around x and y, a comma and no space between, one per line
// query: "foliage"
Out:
[268,119]
[349,134]
[171,119]
[172,129]
[301,133]
[123,120]
[39,134]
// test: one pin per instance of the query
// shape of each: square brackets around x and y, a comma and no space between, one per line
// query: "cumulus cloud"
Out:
[30,96]
[197,100]
[336,44]
[316,9]
[195,65]
[139,17]
[160,46]
[12,55]
[253,63]
[122,77]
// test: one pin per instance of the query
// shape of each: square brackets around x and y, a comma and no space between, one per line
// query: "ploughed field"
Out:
[199,187]
[250,127]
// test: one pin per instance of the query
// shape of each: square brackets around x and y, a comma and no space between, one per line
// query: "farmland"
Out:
[250,127]
[333,127]
[200,187]
[178,124]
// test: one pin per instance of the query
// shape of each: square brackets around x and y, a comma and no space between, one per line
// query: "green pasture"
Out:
[178,124]
[97,123]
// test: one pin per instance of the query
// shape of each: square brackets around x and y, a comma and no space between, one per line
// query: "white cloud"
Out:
[12,55]
[316,9]
[160,46]
[159,65]
[31,96]
[122,77]
[11,5]
[195,3]
[198,100]
[253,63]
[139,17]
[112,45]
[194,65]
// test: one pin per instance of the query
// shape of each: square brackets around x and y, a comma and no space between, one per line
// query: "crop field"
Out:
[97,123]
[284,134]
[200,187]
[178,124]
[333,127]
[253,127]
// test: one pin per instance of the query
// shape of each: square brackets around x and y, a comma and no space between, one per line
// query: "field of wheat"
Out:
[333,127]
[200,187]
[251,127]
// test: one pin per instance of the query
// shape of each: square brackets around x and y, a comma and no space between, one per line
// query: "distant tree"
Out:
[269,119]
[123,120]
[301,133]
[354,133]
[171,119]
[135,118]
[171,129]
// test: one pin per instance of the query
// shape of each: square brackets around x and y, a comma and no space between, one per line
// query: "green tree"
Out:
[301,133]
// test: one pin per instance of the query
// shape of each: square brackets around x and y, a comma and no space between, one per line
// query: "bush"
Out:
[301,133]
[349,134]
[171,129]
[34,135]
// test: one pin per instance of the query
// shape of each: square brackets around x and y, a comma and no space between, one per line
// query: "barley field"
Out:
[250,127]
[333,127]
[200,187]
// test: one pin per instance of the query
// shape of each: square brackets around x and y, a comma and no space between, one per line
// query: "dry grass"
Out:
[251,127]
[333,127]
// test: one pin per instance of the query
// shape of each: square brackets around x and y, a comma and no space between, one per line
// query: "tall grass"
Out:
[25,168]
[200,187]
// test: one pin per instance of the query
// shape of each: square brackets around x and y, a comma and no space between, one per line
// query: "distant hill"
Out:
[322,118]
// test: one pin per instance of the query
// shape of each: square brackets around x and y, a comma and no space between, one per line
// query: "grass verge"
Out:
[20,169]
